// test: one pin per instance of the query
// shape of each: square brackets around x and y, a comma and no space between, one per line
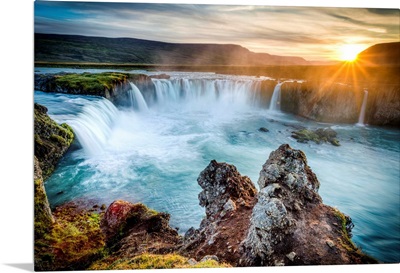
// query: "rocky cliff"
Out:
[341,103]
[51,140]
[114,86]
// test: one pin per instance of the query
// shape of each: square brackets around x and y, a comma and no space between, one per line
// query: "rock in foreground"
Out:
[228,198]
[290,225]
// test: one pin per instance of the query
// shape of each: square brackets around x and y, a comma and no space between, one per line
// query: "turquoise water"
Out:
[155,156]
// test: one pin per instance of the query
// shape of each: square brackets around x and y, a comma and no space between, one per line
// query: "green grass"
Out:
[90,83]
[74,241]
[155,261]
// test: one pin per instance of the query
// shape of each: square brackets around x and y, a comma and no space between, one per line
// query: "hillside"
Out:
[74,48]
[387,54]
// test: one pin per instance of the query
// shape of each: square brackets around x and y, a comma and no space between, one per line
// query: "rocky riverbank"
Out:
[284,223]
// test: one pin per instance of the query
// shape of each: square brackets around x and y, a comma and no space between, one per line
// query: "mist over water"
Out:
[154,154]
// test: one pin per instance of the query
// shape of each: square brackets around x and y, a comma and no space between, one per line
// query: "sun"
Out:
[349,52]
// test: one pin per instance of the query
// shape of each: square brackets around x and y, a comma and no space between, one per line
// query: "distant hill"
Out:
[83,49]
[381,54]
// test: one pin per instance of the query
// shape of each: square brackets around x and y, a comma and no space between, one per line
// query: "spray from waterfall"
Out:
[136,98]
[363,108]
[275,104]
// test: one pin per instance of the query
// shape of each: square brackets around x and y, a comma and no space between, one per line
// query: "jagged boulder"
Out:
[51,140]
[289,223]
[228,198]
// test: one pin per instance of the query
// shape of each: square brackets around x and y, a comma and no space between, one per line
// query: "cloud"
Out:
[303,31]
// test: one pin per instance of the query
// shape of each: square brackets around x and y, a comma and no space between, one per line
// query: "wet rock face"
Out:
[289,223]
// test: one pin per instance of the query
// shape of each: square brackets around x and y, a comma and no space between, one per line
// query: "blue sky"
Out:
[315,33]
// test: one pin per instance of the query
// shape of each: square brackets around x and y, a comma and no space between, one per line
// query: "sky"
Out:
[314,33]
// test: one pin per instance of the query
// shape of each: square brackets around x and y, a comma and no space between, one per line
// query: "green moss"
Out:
[348,244]
[318,136]
[43,219]
[154,261]
[89,83]
[74,241]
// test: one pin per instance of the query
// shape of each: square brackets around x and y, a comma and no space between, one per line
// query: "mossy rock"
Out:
[89,83]
[43,219]
[51,140]
[73,243]
[347,243]
[320,135]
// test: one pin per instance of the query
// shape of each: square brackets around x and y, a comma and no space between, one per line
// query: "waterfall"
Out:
[93,125]
[275,104]
[207,92]
[136,98]
[363,107]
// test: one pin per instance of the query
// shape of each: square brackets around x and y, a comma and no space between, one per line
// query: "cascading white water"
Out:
[363,108]
[275,104]
[93,125]
[136,97]
[206,93]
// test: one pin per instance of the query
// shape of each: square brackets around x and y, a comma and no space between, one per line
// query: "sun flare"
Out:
[349,52]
